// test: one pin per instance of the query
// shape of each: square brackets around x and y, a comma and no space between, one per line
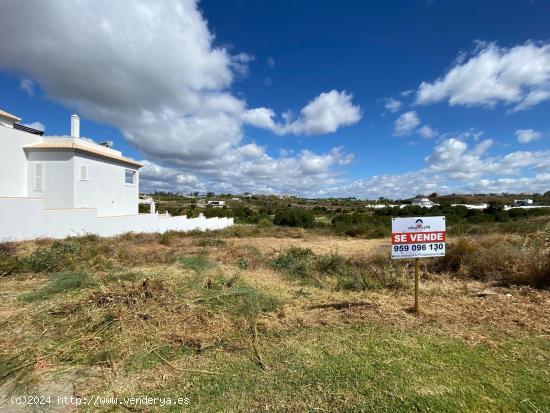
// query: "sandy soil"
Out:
[318,244]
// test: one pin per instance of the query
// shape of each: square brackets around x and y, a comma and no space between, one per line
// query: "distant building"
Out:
[522,202]
[423,202]
[472,206]
[216,204]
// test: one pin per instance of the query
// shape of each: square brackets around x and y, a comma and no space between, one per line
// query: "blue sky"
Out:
[382,98]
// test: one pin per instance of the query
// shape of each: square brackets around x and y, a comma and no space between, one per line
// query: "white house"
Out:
[216,204]
[522,202]
[423,202]
[60,186]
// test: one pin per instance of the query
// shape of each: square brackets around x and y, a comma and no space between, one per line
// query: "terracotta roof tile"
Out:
[82,148]
[9,115]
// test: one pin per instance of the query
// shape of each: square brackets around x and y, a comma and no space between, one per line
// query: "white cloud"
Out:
[152,69]
[406,123]
[271,62]
[393,105]
[427,132]
[518,76]
[156,177]
[455,166]
[36,125]
[527,135]
[251,169]
[27,85]
[239,63]
[324,114]
[260,117]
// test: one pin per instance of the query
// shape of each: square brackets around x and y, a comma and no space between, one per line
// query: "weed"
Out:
[245,257]
[10,264]
[197,263]
[61,256]
[243,264]
[501,258]
[60,283]
[167,237]
[265,223]
[355,282]
[209,242]
[295,262]
[330,264]
[126,276]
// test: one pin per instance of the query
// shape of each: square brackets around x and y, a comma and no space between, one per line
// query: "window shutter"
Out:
[38,177]
[83,172]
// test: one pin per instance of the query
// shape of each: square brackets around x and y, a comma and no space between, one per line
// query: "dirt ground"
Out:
[318,244]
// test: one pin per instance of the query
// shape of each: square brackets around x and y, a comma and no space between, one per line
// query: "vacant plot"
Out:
[302,323]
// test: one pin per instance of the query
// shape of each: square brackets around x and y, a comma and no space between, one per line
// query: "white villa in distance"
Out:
[61,186]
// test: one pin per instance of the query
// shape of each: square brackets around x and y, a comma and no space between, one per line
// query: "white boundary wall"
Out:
[25,219]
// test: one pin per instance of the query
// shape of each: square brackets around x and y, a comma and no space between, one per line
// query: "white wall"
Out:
[13,161]
[24,219]
[58,177]
[105,189]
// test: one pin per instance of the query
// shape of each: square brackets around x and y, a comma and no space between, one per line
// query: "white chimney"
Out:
[75,126]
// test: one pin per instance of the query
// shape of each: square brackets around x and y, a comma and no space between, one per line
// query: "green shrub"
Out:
[10,264]
[330,264]
[265,223]
[295,217]
[361,225]
[294,261]
[61,256]
[243,263]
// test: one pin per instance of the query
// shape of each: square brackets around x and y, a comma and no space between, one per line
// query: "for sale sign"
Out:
[418,237]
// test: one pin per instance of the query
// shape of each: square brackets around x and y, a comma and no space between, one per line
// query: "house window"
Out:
[84,173]
[130,176]
[38,177]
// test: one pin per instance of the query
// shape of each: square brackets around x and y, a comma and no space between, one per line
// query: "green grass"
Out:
[61,282]
[372,368]
[197,263]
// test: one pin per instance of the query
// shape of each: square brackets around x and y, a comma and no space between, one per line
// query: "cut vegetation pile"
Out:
[238,326]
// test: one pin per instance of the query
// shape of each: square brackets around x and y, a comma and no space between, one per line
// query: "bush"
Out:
[10,264]
[362,225]
[330,264]
[265,223]
[295,217]
[295,262]
[500,258]
[61,256]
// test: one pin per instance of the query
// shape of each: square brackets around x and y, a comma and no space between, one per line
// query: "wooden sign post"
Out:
[418,237]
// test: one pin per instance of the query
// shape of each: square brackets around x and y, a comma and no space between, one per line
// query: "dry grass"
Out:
[317,243]
[508,259]
[205,315]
